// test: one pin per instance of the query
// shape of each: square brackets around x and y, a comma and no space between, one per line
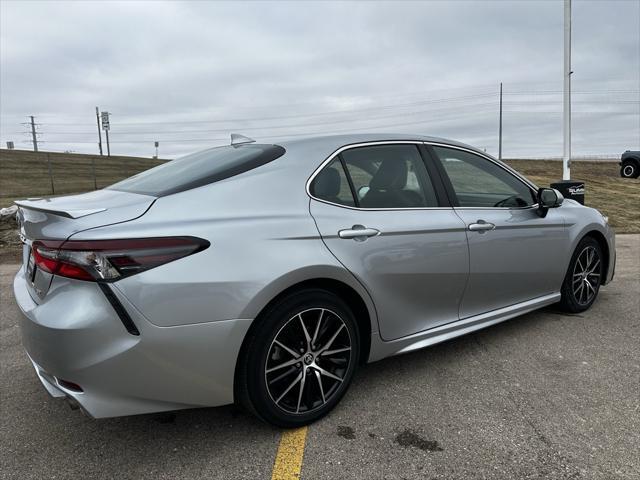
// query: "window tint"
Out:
[479,182]
[389,176]
[331,184]
[199,169]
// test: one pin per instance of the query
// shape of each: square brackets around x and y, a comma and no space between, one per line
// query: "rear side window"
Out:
[332,185]
[380,176]
[390,176]
[199,169]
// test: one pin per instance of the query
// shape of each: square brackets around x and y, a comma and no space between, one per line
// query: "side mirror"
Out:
[548,198]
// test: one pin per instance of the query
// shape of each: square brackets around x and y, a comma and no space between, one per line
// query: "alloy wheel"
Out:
[586,275]
[308,360]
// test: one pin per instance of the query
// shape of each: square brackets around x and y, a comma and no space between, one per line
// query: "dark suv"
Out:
[630,164]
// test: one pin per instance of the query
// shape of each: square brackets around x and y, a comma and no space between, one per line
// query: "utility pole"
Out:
[566,157]
[500,127]
[33,134]
[99,132]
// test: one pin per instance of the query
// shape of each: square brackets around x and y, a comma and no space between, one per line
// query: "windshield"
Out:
[199,169]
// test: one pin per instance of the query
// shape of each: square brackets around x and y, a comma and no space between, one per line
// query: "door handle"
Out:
[358,233]
[481,226]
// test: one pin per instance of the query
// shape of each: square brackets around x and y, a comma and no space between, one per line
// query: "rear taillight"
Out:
[110,260]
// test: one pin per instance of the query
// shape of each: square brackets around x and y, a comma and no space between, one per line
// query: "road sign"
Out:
[105,120]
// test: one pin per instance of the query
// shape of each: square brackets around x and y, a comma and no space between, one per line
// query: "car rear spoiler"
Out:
[36,205]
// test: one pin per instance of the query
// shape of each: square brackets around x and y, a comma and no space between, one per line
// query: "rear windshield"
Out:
[199,169]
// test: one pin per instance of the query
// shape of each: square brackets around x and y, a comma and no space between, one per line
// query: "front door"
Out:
[384,221]
[515,255]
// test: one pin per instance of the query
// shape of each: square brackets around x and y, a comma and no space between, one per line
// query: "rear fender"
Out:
[309,273]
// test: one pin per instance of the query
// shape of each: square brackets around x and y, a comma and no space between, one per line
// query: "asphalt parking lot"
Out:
[546,395]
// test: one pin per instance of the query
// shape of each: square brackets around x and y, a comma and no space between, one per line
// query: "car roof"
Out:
[330,143]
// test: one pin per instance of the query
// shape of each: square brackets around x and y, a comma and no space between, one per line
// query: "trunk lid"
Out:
[60,217]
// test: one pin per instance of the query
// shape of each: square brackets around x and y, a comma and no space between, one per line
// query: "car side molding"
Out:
[381,349]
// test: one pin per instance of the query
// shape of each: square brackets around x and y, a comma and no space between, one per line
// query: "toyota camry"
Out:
[265,274]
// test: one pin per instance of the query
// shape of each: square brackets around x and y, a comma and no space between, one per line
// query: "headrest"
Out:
[327,183]
[392,175]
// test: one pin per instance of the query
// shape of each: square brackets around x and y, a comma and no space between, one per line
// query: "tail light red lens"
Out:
[110,260]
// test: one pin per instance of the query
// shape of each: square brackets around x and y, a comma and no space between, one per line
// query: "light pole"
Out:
[566,96]
[572,189]
[500,127]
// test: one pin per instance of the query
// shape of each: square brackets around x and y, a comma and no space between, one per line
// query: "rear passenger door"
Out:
[515,255]
[382,212]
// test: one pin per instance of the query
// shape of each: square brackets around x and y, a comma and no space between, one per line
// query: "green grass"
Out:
[616,197]
[25,174]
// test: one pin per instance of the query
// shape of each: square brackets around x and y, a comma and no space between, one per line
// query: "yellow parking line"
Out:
[288,461]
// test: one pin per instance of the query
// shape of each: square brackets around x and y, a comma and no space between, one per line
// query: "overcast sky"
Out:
[188,74]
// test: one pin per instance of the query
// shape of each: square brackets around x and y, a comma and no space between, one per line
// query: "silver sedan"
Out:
[264,274]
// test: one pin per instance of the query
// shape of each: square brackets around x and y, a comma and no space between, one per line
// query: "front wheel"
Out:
[584,276]
[299,360]
[629,170]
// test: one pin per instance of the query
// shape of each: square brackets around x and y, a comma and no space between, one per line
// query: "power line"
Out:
[583,92]
[440,110]
[315,114]
[352,111]
[419,94]
[350,120]
[297,125]
[293,135]
[440,118]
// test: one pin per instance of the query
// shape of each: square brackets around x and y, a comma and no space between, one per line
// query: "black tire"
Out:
[258,387]
[629,169]
[580,289]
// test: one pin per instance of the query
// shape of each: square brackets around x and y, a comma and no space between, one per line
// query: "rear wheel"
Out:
[299,361]
[629,169]
[583,278]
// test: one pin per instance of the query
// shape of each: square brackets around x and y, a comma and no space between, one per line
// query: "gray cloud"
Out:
[272,69]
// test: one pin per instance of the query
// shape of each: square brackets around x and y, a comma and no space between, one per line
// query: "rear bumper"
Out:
[75,335]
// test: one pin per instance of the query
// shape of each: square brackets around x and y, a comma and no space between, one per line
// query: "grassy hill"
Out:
[616,197]
[26,174]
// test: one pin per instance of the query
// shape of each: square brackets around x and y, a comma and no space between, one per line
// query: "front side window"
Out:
[389,176]
[478,182]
